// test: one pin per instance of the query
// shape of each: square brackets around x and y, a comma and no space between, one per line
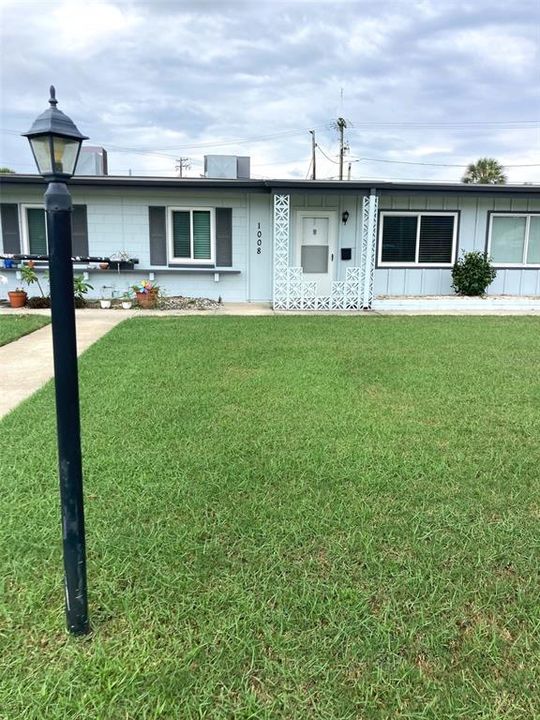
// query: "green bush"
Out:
[80,288]
[38,302]
[472,274]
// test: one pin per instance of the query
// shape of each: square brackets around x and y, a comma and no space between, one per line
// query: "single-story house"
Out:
[300,244]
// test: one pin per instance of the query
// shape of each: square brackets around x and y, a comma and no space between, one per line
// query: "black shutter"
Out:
[224,237]
[436,235]
[158,235]
[79,231]
[10,228]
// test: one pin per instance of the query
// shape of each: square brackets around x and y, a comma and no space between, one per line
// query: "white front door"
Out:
[316,247]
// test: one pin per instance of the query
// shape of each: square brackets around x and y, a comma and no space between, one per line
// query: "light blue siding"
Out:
[118,220]
[259,277]
[472,235]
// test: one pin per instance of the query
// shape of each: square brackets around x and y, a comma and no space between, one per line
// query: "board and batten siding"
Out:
[348,235]
[472,235]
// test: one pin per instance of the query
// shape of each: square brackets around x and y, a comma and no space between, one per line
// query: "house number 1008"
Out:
[259,239]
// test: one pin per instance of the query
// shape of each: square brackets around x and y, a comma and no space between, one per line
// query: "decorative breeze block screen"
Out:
[293,292]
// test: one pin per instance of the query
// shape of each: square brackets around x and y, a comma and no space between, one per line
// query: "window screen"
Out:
[436,237]
[37,234]
[399,238]
[181,235]
[192,234]
[201,235]
[533,251]
[314,258]
[508,239]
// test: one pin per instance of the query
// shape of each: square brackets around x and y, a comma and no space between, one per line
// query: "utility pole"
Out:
[341,125]
[313,158]
[181,164]
[349,171]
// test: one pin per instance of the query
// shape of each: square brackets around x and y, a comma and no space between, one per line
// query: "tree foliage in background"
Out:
[487,171]
[6,171]
[472,274]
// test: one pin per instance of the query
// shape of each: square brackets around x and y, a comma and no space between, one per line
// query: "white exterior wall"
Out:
[118,221]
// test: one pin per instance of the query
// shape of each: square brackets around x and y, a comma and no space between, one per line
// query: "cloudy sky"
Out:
[425,85]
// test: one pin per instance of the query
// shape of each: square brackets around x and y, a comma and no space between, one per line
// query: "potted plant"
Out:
[105,299]
[127,299]
[121,260]
[147,294]
[17,297]
[80,288]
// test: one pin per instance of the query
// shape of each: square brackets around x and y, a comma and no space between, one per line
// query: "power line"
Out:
[336,162]
[410,162]
[462,123]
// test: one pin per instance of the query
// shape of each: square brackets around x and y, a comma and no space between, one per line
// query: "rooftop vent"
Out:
[92,161]
[227,167]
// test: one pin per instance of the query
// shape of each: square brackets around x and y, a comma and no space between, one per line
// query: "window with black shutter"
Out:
[417,238]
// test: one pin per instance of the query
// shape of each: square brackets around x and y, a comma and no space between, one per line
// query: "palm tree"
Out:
[487,171]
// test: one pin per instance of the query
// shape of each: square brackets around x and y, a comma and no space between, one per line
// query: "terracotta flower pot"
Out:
[17,298]
[147,300]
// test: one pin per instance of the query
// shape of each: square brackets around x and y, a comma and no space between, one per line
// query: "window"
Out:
[514,239]
[35,230]
[191,235]
[413,238]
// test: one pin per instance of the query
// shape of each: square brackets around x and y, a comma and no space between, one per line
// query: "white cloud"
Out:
[172,77]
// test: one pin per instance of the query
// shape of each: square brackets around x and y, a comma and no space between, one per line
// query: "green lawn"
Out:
[288,517]
[13,327]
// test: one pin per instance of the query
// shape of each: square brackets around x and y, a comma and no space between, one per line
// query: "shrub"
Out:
[472,274]
[80,288]
[29,276]
[37,301]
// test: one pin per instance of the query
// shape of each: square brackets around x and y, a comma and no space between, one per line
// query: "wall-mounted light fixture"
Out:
[345,216]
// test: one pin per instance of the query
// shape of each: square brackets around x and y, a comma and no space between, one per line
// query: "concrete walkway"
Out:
[27,363]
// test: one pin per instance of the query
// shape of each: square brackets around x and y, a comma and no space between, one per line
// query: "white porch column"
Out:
[281,252]
[369,243]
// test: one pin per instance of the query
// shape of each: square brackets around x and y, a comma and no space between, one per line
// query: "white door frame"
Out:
[332,239]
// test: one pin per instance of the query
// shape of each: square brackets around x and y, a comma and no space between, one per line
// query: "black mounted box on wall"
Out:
[346,253]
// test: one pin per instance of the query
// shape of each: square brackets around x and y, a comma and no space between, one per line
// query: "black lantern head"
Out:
[55,142]
[345,217]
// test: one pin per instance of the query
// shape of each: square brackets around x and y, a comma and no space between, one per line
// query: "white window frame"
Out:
[170,240]
[25,235]
[527,216]
[417,214]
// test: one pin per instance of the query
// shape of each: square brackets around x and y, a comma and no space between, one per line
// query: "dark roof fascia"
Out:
[344,187]
[109,181]
[390,188]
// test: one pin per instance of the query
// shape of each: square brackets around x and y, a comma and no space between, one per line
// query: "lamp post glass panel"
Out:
[56,143]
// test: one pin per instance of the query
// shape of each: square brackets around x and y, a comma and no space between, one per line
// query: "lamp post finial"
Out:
[52,100]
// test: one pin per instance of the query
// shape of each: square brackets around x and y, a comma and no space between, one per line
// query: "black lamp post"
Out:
[56,143]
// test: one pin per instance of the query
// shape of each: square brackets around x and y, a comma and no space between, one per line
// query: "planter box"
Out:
[121,265]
